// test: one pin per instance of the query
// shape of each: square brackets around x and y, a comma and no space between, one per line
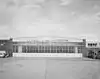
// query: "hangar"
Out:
[48,47]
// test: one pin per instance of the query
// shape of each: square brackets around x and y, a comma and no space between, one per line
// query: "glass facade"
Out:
[80,49]
[15,48]
[47,49]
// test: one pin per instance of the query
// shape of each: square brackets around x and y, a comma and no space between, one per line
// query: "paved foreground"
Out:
[49,68]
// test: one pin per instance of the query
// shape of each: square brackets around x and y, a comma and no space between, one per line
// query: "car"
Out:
[90,54]
[5,54]
[98,55]
[2,54]
[94,54]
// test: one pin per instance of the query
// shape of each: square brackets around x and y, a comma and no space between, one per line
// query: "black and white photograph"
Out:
[49,39]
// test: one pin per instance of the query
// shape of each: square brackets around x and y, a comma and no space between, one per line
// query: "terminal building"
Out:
[49,46]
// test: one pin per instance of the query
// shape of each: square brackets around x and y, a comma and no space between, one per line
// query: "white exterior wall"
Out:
[47,54]
[19,49]
[98,44]
[19,54]
[76,49]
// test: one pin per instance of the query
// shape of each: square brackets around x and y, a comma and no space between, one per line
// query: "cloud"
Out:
[31,6]
[11,3]
[21,3]
[88,36]
[98,16]
[40,26]
[4,31]
[66,2]
[5,17]
[27,17]
[96,6]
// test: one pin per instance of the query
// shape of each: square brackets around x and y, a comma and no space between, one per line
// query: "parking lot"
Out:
[49,68]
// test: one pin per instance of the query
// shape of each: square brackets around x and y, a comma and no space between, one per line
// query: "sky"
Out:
[66,18]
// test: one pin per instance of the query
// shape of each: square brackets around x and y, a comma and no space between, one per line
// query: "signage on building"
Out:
[93,44]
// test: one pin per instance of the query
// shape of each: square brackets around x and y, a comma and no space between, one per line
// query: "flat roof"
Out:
[25,39]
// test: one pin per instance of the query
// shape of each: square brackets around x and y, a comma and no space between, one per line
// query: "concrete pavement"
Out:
[49,68]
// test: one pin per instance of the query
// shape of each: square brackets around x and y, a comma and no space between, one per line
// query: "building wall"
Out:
[49,46]
[92,46]
[6,45]
[84,49]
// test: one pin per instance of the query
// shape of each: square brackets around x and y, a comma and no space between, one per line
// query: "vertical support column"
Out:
[44,48]
[20,49]
[56,48]
[37,48]
[76,49]
[50,49]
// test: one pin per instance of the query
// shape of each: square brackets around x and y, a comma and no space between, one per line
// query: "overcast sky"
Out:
[67,18]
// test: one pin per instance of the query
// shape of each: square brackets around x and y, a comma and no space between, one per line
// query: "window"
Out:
[89,44]
[24,49]
[92,44]
[79,49]
[66,49]
[71,49]
[15,49]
